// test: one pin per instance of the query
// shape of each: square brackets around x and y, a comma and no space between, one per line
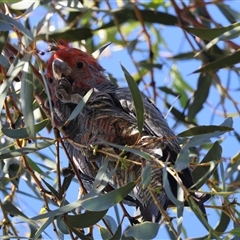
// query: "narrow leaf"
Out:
[98,52]
[92,204]
[105,233]
[86,219]
[117,234]
[42,228]
[72,34]
[22,132]
[146,175]
[108,200]
[128,149]
[79,106]
[26,96]
[137,98]
[211,33]
[212,131]
[7,19]
[144,230]
[111,223]
[224,62]
[235,232]
[26,150]
[13,71]
[200,95]
[168,190]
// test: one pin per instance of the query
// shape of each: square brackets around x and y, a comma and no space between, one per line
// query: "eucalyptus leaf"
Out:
[108,200]
[7,19]
[22,132]
[137,98]
[117,234]
[200,95]
[105,233]
[144,230]
[26,95]
[210,34]
[86,219]
[79,106]
[26,150]
[168,190]
[146,175]
[42,228]
[92,204]
[224,62]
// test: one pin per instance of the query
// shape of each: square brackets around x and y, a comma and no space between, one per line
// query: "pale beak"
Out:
[60,69]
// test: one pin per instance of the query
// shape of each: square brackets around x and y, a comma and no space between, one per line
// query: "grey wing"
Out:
[156,125]
[154,122]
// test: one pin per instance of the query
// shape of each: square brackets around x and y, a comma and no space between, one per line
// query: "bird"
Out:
[109,116]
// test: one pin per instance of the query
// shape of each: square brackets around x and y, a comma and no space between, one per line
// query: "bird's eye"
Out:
[50,80]
[80,65]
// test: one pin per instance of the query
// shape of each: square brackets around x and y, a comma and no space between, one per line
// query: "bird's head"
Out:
[79,68]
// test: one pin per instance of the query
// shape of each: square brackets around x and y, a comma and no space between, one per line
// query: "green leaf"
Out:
[62,227]
[127,13]
[42,228]
[168,190]
[228,12]
[146,230]
[72,34]
[223,223]
[209,131]
[26,150]
[8,20]
[102,178]
[86,219]
[224,62]
[79,106]
[92,204]
[182,160]
[131,46]
[108,200]
[4,26]
[146,175]
[202,173]
[105,233]
[204,134]
[235,232]
[148,65]
[225,36]
[117,234]
[183,56]
[3,61]
[10,208]
[22,5]
[137,99]
[22,132]
[26,97]
[9,1]
[193,205]
[98,52]
[12,72]
[200,95]
[77,232]
[52,189]
[111,223]
[169,91]
[211,33]
[128,149]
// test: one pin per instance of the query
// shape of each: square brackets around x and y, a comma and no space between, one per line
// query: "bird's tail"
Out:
[149,210]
